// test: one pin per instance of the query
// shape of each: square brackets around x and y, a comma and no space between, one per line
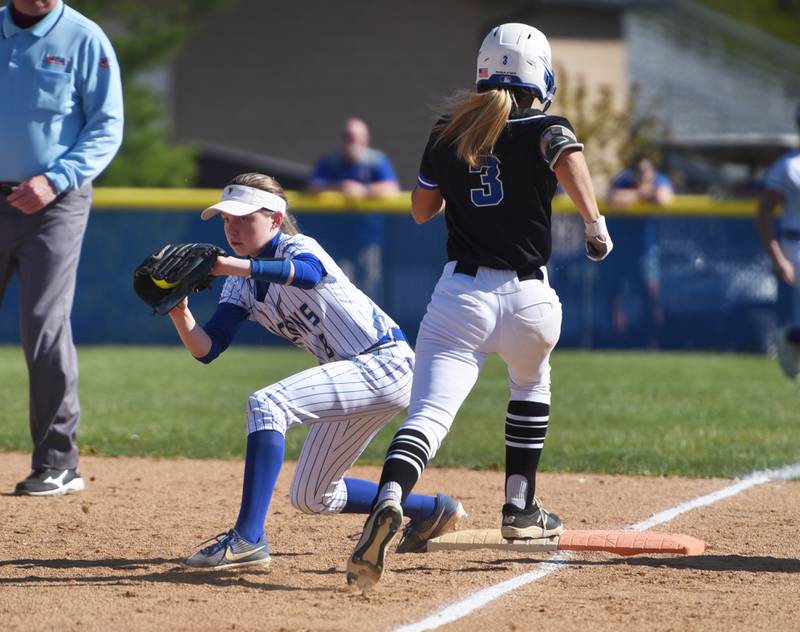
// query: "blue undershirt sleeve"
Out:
[222,327]
[308,271]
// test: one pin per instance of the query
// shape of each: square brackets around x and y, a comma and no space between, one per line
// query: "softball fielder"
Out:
[782,188]
[495,162]
[286,282]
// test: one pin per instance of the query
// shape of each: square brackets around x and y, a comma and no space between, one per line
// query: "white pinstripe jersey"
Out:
[334,320]
[784,177]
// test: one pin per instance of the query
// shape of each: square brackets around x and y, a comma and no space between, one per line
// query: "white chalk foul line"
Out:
[482,597]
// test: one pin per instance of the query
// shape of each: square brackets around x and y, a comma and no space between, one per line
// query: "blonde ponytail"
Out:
[474,122]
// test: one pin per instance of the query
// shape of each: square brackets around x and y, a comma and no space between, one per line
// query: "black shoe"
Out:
[50,482]
[534,522]
[366,563]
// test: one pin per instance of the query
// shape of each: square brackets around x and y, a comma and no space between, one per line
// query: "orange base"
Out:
[630,542]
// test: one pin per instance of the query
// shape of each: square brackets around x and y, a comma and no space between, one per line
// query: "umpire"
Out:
[60,125]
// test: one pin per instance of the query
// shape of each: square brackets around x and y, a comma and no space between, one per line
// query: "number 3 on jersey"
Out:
[490,192]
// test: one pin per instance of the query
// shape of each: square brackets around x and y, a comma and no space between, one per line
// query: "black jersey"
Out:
[498,213]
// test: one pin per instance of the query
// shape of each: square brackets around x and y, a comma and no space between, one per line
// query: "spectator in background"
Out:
[782,188]
[359,171]
[356,170]
[61,113]
[640,183]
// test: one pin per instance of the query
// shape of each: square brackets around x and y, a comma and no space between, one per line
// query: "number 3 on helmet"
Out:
[517,55]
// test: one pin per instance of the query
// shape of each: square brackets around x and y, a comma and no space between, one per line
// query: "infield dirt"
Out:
[106,559]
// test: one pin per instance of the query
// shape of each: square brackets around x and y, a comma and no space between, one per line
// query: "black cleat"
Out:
[365,565]
[50,482]
[534,522]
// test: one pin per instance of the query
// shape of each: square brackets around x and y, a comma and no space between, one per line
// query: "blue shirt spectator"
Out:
[356,170]
[640,183]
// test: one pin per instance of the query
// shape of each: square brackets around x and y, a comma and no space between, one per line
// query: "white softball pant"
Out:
[791,249]
[346,403]
[468,318]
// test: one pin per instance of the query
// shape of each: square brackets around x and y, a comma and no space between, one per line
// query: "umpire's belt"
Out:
[391,338]
[523,274]
[790,233]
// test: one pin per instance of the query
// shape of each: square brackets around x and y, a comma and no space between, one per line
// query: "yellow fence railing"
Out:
[108,198]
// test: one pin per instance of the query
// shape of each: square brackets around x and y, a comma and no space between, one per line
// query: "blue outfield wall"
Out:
[672,282]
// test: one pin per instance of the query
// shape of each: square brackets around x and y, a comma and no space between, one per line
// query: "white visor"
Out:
[240,200]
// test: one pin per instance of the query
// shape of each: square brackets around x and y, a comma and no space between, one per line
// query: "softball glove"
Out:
[168,275]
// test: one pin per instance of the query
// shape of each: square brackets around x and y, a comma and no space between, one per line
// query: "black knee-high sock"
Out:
[405,461]
[526,428]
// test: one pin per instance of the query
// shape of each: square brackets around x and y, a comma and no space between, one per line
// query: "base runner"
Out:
[496,161]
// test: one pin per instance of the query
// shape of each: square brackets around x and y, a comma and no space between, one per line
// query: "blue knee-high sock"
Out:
[361,494]
[261,468]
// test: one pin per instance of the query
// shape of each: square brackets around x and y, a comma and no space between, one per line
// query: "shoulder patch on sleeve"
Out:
[554,140]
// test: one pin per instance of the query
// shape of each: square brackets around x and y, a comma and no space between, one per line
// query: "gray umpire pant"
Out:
[43,249]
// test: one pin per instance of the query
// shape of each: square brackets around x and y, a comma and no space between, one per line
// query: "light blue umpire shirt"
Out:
[60,99]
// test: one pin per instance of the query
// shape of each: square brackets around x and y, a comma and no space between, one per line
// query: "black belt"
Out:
[790,233]
[7,187]
[523,274]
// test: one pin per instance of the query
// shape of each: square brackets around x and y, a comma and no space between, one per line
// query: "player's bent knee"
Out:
[319,504]
[264,413]
[300,504]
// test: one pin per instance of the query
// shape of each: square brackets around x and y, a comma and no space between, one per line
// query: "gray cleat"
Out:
[230,550]
[446,515]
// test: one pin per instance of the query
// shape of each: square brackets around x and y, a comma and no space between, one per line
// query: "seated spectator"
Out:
[640,183]
[356,170]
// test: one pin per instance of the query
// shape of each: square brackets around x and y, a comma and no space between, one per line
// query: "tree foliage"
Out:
[146,34]
[780,18]
[609,127]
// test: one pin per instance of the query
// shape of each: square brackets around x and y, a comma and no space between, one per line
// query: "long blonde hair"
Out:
[473,121]
[270,185]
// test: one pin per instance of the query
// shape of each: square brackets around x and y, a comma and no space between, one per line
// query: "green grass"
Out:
[644,413]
